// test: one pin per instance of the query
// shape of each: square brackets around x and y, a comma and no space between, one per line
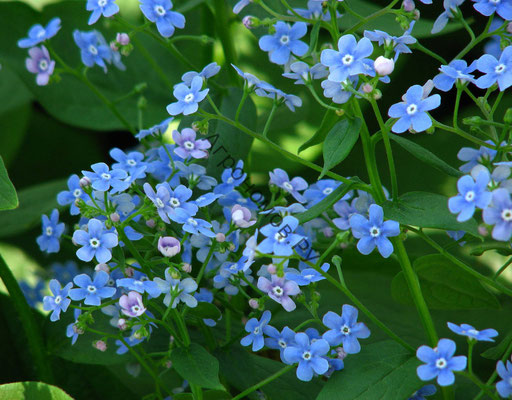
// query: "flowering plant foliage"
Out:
[204,275]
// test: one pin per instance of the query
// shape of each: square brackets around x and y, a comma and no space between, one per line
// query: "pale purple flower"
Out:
[279,290]
[131,304]
[40,64]
[188,146]
[169,246]
[241,216]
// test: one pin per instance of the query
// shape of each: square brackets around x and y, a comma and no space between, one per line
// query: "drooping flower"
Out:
[412,112]
[255,329]
[188,146]
[309,356]
[280,290]
[420,394]
[160,12]
[473,157]
[131,304]
[40,64]
[345,210]
[440,362]
[499,71]
[156,130]
[177,290]
[284,42]
[472,194]
[485,335]
[456,70]
[107,8]
[92,290]
[72,330]
[450,6]
[140,284]
[49,241]
[499,214]
[307,275]
[210,70]
[188,97]
[398,44]
[504,387]
[303,73]
[59,301]
[38,34]
[95,242]
[374,231]
[339,91]
[345,329]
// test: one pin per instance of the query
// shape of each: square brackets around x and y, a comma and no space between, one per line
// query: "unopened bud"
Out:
[507,118]
[367,88]
[339,112]
[271,269]
[121,324]
[482,230]
[85,182]
[328,232]
[123,39]
[129,272]
[220,237]
[150,223]
[254,304]
[408,5]
[115,217]
[77,329]
[169,246]
[99,345]
[102,267]
[186,267]
[249,21]
[341,353]
[175,275]
[377,94]
[113,46]
[383,66]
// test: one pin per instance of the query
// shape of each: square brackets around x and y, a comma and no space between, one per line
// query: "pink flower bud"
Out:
[384,66]
[168,364]
[77,329]
[482,230]
[150,223]
[129,272]
[241,216]
[123,39]
[115,217]
[408,5]
[113,46]
[84,182]
[102,267]
[248,21]
[121,324]
[187,268]
[220,237]
[341,353]
[328,232]
[367,88]
[253,303]
[169,246]
[271,269]
[99,345]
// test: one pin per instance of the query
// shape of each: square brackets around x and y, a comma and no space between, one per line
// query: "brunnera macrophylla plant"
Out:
[188,264]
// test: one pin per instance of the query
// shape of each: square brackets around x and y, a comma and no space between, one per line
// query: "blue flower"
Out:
[456,70]
[41,64]
[131,162]
[64,272]
[314,11]
[345,329]
[472,194]
[38,34]
[280,239]
[279,340]
[250,79]
[92,290]
[140,285]
[71,330]
[70,196]
[374,231]
[98,7]
[188,146]
[231,178]
[291,101]
[450,6]
[308,355]
[499,214]
[196,176]
[412,112]
[345,210]
[178,200]
[320,190]
[338,91]
[307,275]
[210,70]
[204,295]
[284,42]
[188,97]
[420,394]
[93,49]
[280,178]
[349,60]
[192,225]
[227,276]
[473,157]
[440,362]
[160,199]
[397,44]
[488,7]
[159,11]
[303,73]
[240,6]
[96,242]
[52,231]
[255,329]
[504,387]
[494,70]
[155,130]
[485,335]
[103,178]
[177,290]
[59,301]
[33,295]
[279,290]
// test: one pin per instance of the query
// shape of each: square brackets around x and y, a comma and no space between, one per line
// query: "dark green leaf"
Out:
[207,395]
[339,142]
[502,249]
[496,352]
[426,210]
[197,366]
[8,197]
[14,123]
[205,310]
[444,286]
[34,201]
[381,371]
[31,391]
[425,155]
[328,122]
[12,88]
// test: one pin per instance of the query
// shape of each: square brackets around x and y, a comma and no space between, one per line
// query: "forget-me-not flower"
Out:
[92,290]
[420,394]
[499,71]
[472,194]
[38,34]
[160,12]
[450,6]
[504,387]
[284,42]
[59,301]
[107,8]
[49,241]
[188,146]
[210,70]
[309,355]
[188,97]
[456,70]
[93,50]
[279,340]
[280,178]
[280,239]
[255,329]
[485,335]
[474,157]
[499,214]
[40,64]
[74,193]
[345,329]
[303,73]
[488,7]
[177,290]
[95,242]
[102,178]
[279,290]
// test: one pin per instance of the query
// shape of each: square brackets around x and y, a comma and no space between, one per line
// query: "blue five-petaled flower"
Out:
[59,301]
[309,355]
[95,242]
[284,42]
[472,194]
[345,329]
[92,290]
[107,8]
[38,34]
[188,97]
[255,329]
[159,12]
[52,231]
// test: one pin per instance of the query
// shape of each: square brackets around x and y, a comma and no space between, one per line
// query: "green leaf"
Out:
[8,197]
[425,155]
[31,391]
[328,122]
[339,142]
[426,210]
[205,310]
[242,370]
[381,371]
[444,286]
[324,204]
[14,123]
[197,366]
[207,395]
[34,201]
[502,249]
[496,352]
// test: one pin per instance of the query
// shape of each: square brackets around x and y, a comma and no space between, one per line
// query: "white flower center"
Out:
[77,192]
[237,215]
[93,50]
[159,203]
[91,289]
[58,299]
[106,176]
[309,276]
[189,145]
[412,109]
[135,309]
[500,68]
[256,330]
[345,330]
[285,39]
[230,180]
[282,343]
[279,237]
[41,34]
[506,215]
[278,291]
[131,162]
[374,231]
[49,231]
[102,3]
[95,243]
[473,332]
[327,191]
[441,363]
[347,59]
[160,10]
[470,195]
[192,221]
[174,202]
[306,355]
[288,186]
[43,65]
[189,98]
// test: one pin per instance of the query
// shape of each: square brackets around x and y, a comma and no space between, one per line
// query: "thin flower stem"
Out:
[318,99]
[371,17]
[456,109]
[31,329]
[269,120]
[241,104]
[496,103]
[305,323]
[428,52]
[463,134]
[502,269]
[161,74]
[483,387]
[471,344]
[271,378]
[205,263]
[485,34]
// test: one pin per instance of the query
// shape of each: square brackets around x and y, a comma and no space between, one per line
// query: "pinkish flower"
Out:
[169,246]
[40,64]
[241,216]
[187,145]
[131,304]
[280,290]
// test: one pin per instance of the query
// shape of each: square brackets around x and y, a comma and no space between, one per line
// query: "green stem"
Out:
[225,36]
[496,103]
[477,40]
[430,53]
[319,100]
[241,104]
[456,109]
[502,269]
[33,334]
[471,344]
[483,387]
[371,17]
[205,263]
[156,67]
[463,134]
[269,120]
[263,382]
